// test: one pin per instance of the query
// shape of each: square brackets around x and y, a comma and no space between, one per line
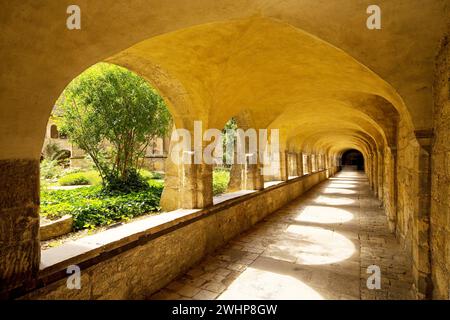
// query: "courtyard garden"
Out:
[80,194]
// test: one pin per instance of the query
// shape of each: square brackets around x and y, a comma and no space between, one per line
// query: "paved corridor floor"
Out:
[317,247]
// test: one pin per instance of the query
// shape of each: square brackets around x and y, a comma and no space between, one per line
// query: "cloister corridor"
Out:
[317,247]
[306,88]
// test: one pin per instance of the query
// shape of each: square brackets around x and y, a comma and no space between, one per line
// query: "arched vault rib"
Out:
[301,122]
[311,130]
[328,139]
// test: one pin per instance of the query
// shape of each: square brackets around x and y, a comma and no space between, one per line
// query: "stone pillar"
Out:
[284,169]
[246,177]
[186,185]
[393,217]
[368,168]
[19,223]
[299,164]
[310,164]
[380,173]
[421,246]
[235,183]
[254,180]
[375,172]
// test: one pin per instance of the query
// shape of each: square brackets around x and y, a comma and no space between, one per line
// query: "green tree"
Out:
[111,113]
[229,136]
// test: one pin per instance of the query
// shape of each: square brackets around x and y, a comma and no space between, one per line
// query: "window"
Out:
[54,134]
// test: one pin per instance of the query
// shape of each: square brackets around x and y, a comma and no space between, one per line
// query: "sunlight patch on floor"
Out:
[335,190]
[255,284]
[341,184]
[324,214]
[333,201]
[308,245]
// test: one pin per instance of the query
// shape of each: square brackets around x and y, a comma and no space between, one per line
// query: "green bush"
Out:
[50,169]
[147,175]
[92,206]
[133,181]
[158,175]
[151,175]
[80,178]
[220,181]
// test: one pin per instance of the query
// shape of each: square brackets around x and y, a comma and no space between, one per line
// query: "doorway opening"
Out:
[353,158]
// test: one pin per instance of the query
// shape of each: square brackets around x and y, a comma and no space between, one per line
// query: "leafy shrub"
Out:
[133,181]
[80,178]
[220,181]
[157,184]
[50,169]
[93,206]
[75,179]
[146,175]
[158,175]
[119,208]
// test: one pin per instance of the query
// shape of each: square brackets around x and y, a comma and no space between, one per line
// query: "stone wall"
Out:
[154,163]
[139,271]
[440,193]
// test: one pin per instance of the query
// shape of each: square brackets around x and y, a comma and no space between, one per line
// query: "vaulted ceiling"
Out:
[309,68]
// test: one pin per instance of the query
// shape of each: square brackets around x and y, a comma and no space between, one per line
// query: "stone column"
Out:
[310,165]
[246,177]
[283,174]
[186,185]
[375,172]
[393,218]
[380,175]
[300,164]
[422,246]
[235,183]
[19,223]
[254,180]
[368,168]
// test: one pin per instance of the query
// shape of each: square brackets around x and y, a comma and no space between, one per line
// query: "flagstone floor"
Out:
[317,247]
